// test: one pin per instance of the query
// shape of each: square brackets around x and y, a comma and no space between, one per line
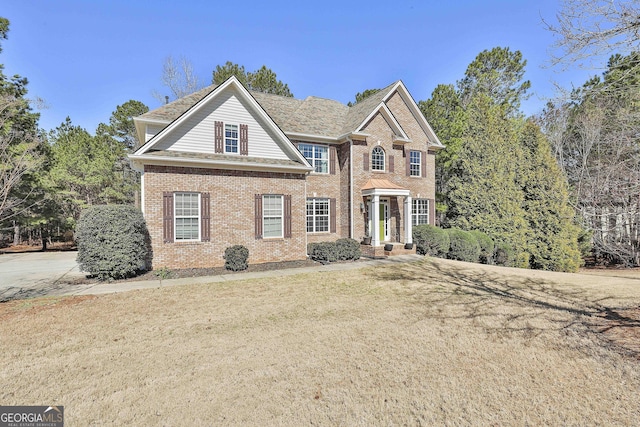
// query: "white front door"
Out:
[384,221]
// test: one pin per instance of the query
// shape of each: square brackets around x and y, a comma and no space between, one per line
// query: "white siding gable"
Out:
[151,131]
[196,134]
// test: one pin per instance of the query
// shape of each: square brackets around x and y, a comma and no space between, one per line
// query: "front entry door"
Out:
[384,221]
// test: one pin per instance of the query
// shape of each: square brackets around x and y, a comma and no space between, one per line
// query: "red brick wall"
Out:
[232,215]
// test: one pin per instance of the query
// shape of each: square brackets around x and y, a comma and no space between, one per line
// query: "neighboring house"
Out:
[226,166]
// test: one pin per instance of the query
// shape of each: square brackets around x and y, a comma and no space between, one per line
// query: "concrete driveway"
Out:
[32,274]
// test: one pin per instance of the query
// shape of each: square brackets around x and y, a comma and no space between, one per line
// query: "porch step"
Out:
[379,252]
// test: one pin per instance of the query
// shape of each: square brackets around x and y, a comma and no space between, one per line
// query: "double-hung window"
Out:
[377,159]
[317,215]
[187,216]
[420,211]
[415,163]
[272,216]
[317,155]
[230,138]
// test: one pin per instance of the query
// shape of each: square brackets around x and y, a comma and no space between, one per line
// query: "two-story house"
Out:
[225,166]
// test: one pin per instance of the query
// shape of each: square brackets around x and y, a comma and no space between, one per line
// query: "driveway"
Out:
[33,274]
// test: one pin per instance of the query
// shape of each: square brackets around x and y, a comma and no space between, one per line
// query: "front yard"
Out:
[430,343]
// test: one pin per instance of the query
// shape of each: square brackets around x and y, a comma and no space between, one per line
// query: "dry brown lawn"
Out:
[429,343]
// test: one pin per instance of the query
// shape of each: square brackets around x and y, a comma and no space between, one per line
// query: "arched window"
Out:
[377,159]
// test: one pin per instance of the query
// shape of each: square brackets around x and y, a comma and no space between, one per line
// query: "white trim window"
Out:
[272,216]
[420,211]
[377,159]
[317,215]
[317,155]
[415,163]
[187,216]
[231,140]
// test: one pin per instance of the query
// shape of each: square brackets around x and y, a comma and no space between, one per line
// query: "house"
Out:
[226,166]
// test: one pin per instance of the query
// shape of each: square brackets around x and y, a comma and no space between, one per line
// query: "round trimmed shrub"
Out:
[347,249]
[463,246]
[486,246]
[323,251]
[431,240]
[235,258]
[113,242]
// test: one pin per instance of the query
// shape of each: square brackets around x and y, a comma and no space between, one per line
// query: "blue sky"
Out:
[86,57]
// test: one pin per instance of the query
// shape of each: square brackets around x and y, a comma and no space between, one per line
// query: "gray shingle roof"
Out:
[312,116]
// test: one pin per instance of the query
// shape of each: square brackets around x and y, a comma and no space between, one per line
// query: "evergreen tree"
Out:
[261,80]
[553,241]
[484,192]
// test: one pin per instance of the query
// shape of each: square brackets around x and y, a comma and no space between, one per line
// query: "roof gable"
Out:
[193,130]
[312,118]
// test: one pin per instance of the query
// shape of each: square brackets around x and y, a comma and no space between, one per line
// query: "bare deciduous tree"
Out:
[179,78]
[589,29]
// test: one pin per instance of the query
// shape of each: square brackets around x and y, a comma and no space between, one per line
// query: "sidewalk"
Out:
[108,288]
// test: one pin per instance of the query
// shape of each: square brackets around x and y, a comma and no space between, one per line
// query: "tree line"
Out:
[551,188]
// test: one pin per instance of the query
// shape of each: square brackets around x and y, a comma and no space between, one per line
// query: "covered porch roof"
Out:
[383,187]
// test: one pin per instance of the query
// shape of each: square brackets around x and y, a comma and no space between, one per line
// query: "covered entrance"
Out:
[379,195]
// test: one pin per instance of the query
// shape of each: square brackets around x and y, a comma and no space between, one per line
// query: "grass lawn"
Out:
[430,343]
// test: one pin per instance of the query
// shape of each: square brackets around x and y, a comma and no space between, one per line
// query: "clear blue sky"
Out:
[86,57]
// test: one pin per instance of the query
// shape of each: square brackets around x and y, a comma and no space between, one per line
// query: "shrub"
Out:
[347,249]
[431,240]
[235,258]
[323,251]
[504,254]
[113,242]
[486,246]
[463,246]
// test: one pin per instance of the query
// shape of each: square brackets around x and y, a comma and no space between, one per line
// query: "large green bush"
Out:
[347,249]
[323,251]
[113,242]
[463,246]
[431,240]
[486,246]
[235,258]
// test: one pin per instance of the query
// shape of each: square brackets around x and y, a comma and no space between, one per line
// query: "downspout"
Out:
[351,188]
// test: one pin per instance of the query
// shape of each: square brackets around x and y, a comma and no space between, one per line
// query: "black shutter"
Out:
[244,140]
[287,216]
[258,216]
[219,138]
[205,217]
[167,217]
[332,215]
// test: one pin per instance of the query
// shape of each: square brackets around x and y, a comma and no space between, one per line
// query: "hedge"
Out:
[463,246]
[113,242]
[486,246]
[431,240]
[347,249]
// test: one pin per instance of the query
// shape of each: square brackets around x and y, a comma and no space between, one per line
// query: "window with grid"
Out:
[187,216]
[377,159]
[317,215]
[317,155]
[420,211]
[272,217]
[415,163]
[231,139]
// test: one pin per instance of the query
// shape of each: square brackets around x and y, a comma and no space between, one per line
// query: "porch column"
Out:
[408,224]
[375,220]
